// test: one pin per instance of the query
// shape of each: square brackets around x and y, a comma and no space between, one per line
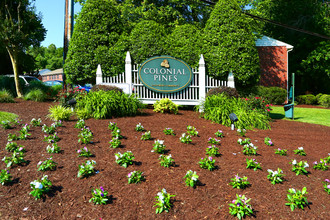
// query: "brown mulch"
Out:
[209,200]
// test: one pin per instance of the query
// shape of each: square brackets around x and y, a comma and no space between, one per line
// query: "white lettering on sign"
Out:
[164,71]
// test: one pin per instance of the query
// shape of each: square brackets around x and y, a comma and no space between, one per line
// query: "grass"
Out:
[6,116]
[308,115]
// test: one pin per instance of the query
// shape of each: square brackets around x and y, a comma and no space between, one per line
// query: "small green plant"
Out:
[250,149]
[163,201]
[117,133]
[36,95]
[12,137]
[13,146]
[5,124]
[53,149]
[166,161]
[16,158]
[212,151]
[112,126]
[80,124]
[297,198]
[99,196]
[300,151]
[281,152]
[139,127]
[240,207]
[239,182]
[207,163]
[185,138]
[84,152]
[146,136]
[124,159]
[213,141]
[52,138]
[219,133]
[40,187]
[5,177]
[191,178]
[241,132]
[6,96]
[326,185]
[243,142]
[191,130]
[115,142]
[322,165]
[299,168]
[252,164]
[275,176]
[35,122]
[166,106]
[135,177]
[85,135]
[86,169]
[48,129]
[48,164]
[169,131]
[327,159]
[159,147]
[59,112]
[58,123]
[268,141]
[24,132]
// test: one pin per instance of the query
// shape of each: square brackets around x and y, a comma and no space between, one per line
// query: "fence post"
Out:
[201,76]
[128,70]
[99,77]
[231,82]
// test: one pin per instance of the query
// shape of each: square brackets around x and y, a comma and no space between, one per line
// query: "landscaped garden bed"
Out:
[69,195]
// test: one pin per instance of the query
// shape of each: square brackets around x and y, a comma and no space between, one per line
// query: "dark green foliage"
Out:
[5,96]
[230,92]
[8,84]
[229,44]
[101,104]
[274,95]
[36,95]
[106,88]
[307,99]
[325,100]
[47,57]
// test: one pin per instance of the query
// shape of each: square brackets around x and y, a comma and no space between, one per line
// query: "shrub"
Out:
[166,106]
[5,96]
[230,92]
[325,101]
[106,88]
[58,112]
[101,104]
[307,99]
[36,95]
[8,84]
[274,95]
[318,96]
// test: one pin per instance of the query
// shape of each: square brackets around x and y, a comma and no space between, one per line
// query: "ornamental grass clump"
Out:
[5,177]
[163,201]
[139,127]
[252,164]
[59,112]
[207,163]
[48,164]
[124,159]
[300,151]
[219,133]
[191,178]
[213,141]
[297,198]
[84,152]
[275,176]
[166,106]
[115,142]
[135,177]
[159,147]
[322,165]
[250,149]
[185,138]
[281,152]
[99,196]
[166,161]
[268,141]
[53,149]
[40,187]
[240,207]
[300,167]
[326,185]
[146,136]
[86,169]
[85,135]
[239,182]
[212,151]
[169,131]
[191,130]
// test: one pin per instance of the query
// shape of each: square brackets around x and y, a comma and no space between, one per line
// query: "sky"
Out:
[52,12]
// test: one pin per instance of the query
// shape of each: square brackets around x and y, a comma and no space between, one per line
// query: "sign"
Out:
[165,74]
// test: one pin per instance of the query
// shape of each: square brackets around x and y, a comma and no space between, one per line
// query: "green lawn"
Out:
[308,115]
[6,116]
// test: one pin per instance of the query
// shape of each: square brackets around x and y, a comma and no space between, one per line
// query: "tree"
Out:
[47,57]
[20,27]
[229,44]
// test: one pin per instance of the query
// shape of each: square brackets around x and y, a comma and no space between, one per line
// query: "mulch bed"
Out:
[209,200]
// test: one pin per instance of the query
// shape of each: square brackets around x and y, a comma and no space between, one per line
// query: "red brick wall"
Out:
[52,77]
[273,66]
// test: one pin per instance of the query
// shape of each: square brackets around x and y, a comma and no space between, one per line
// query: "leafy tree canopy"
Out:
[47,57]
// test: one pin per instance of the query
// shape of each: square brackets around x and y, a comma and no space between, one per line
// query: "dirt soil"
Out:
[209,200]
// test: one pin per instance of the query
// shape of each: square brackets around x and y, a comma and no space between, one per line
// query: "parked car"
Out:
[53,83]
[85,87]
[27,79]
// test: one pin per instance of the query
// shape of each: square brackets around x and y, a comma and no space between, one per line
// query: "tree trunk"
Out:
[13,57]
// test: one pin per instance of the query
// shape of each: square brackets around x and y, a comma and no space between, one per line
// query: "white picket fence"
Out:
[192,95]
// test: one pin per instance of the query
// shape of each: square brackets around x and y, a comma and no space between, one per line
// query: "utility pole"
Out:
[68,29]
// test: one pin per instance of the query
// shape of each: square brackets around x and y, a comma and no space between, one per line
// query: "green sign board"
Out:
[165,74]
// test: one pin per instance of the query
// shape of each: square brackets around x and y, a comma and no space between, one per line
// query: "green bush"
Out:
[58,112]
[230,92]
[274,95]
[166,106]
[307,99]
[5,96]
[218,107]
[36,95]
[101,105]
[8,83]
[318,96]
[106,88]
[325,100]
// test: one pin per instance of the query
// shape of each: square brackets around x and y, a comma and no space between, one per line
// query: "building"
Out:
[53,75]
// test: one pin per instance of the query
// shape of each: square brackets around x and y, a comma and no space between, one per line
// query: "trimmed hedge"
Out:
[274,95]
[325,100]
[307,99]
